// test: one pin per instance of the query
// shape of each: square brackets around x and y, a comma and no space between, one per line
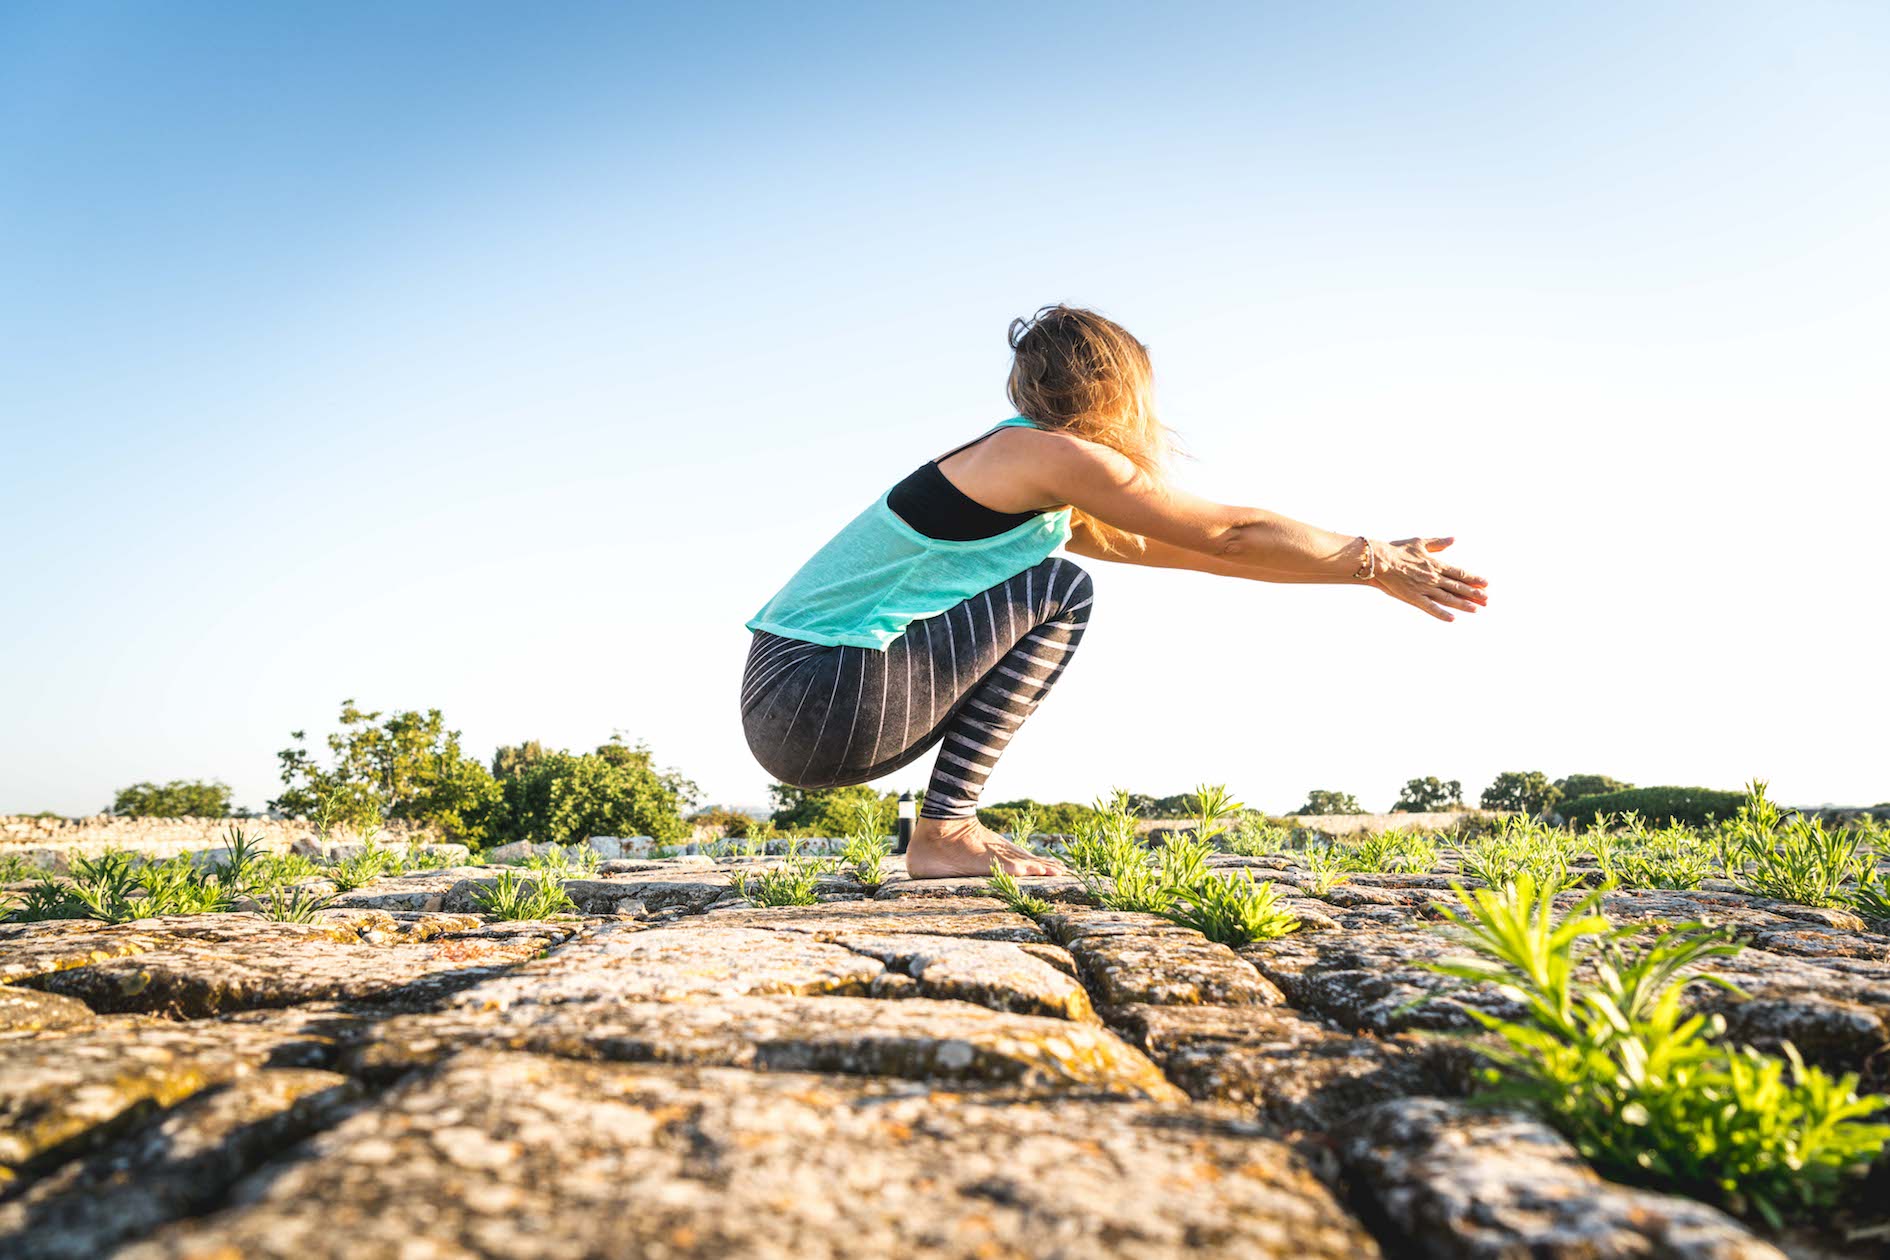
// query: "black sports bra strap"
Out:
[974,441]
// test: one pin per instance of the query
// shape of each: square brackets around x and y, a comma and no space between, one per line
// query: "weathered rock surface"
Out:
[192,978]
[1295,1073]
[64,1093]
[917,1039]
[179,1164]
[980,918]
[996,974]
[516,1155]
[912,1069]
[1465,1185]
[621,963]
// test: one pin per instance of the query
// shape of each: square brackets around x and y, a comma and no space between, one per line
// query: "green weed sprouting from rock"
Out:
[1871,897]
[1392,851]
[1004,886]
[353,872]
[1795,860]
[867,844]
[240,868]
[1233,910]
[790,884]
[1645,1093]
[178,887]
[47,898]
[564,862]
[1326,869]
[515,896]
[1255,836]
[1520,846]
[104,887]
[1025,824]
[293,904]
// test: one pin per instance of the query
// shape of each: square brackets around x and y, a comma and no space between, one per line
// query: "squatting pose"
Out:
[941,615]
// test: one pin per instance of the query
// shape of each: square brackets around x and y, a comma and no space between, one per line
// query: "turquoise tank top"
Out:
[879,575]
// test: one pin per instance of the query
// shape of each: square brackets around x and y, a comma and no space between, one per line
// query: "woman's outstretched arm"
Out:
[1186,531]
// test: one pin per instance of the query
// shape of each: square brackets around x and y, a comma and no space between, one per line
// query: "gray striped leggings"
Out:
[821,717]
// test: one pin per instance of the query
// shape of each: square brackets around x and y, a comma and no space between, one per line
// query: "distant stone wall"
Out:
[1352,824]
[49,842]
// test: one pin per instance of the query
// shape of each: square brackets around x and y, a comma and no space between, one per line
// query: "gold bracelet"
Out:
[1368,567]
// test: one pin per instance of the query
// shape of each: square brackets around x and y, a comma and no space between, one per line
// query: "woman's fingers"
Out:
[1437,544]
[1451,601]
[1464,589]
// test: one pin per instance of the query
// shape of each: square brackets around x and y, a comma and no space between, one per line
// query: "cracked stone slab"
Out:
[1066,925]
[1476,1185]
[626,963]
[177,1166]
[482,1156]
[1052,888]
[1173,968]
[1296,1073]
[416,891]
[692,892]
[916,1039]
[979,918]
[62,1094]
[1372,978]
[994,974]
[24,1011]
[37,949]
[192,979]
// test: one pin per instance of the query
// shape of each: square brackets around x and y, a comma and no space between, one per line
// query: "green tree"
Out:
[820,811]
[1526,790]
[408,767]
[563,797]
[1576,786]
[180,798]
[512,758]
[1321,801]
[1060,819]
[1426,795]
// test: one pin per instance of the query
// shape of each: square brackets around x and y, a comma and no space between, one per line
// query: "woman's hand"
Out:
[1407,572]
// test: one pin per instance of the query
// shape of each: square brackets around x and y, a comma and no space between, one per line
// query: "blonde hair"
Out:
[1074,370]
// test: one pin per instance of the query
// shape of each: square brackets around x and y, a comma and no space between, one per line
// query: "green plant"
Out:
[1392,850]
[1793,859]
[1256,835]
[1233,910]
[515,896]
[104,886]
[1428,795]
[299,903]
[1526,791]
[180,798]
[867,844]
[1871,897]
[1692,805]
[1576,786]
[1326,869]
[820,811]
[178,887]
[563,861]
[1643,1091]
[47,898]
[1058,818]
[15,869]
[790,884]
[1324,801]
[1004,886]
[1520,845]
[240,868]
[350,873]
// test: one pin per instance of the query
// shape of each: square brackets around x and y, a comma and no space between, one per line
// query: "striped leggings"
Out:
[821,717]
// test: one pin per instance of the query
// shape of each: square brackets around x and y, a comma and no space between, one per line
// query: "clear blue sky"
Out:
[505,358]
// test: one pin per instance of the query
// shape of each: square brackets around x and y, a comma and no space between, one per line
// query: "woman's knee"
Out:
[1071,590]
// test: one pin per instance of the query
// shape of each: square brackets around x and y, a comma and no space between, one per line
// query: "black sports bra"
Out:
[931,504]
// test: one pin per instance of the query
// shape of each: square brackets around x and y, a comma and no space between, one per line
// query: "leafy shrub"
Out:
[1576,786]
[867,844]
[1644,1093]
[820,811]
[293,904]
[1527,791]
[1060,819]
[1322,801]
[1393,850]
[1428,795]
[566,798]
[1326,868]
[1256,835]
[1693,806]
[407,767]
[732,823]
[180,798]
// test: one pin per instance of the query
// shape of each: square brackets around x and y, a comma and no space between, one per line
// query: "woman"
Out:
[940,616]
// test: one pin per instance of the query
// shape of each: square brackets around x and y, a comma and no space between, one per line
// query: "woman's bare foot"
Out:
[964,846]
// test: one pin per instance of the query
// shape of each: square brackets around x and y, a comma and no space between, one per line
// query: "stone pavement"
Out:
[912,1070]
